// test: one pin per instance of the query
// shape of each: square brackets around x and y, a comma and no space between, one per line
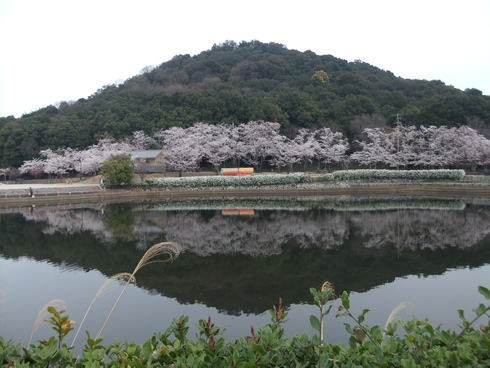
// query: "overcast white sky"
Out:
[62,50]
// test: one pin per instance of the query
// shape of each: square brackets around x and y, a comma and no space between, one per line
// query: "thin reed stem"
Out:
[124,276]
[58,304]
[398,308]
[169,250]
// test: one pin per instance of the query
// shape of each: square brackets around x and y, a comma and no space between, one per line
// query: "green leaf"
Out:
[345,300]
[361,316]
[445,337]
[147,350]
[314,293]
[408,363]
[452,358]
[315,322]
[328,310]
[326,295]
[484,291]
[258,349]
[480,310]
[177,344]
[324,360]
[349,329]
[429,329]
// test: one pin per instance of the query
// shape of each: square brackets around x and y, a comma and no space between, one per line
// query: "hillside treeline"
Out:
[242,82]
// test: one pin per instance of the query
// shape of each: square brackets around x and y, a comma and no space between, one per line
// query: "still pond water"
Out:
[239,257]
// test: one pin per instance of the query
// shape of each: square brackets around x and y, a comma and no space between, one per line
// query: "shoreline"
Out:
[155,194]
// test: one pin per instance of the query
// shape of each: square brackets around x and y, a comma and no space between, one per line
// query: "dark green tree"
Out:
[300,108]
[118,169]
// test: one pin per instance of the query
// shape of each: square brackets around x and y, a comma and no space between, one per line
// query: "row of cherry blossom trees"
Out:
[65,160]
[423,147]
[257,142]
[253,144]
[186,149]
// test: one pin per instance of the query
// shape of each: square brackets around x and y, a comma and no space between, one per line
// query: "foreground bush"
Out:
[399,174]
[420,344]
[230,181]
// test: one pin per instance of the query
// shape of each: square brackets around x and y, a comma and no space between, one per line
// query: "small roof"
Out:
[144,153]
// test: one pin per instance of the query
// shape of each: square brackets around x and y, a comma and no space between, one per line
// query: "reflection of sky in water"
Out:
[28,285]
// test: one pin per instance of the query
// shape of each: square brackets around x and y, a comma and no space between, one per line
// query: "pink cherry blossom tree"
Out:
[430,151]
[405,139]
[331,147]
[285,153]
[13,173]
[141,141]
[427,147]
[58,163]
[89,161]
[306,145]
[470,149]
[439,147]
[377,148]
[256,139]
[4,173]
[217,142]
[34,167]
[181,149]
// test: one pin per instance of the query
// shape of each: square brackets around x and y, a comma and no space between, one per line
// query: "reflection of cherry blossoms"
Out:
[262,234]
[70,222]
[207,232]
[422,229]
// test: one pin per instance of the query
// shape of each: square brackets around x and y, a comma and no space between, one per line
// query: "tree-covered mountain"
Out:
[237,83]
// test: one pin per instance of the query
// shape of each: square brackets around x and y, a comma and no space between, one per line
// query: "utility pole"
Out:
[398,123]
[81,171]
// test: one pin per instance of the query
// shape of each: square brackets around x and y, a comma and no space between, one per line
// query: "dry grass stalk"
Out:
[398,308]
[57,304]
[168,250]
[3,297]
[106,286]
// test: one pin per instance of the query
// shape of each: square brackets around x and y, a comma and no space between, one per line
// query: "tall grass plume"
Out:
[106,286]
[398,308]
[57,304]
[161,252]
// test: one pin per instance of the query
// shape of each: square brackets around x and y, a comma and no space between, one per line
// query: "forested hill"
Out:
[237,83]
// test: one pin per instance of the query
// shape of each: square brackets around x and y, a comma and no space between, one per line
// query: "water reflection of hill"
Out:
[243,264]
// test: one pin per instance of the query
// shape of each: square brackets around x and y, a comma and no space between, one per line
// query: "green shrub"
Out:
[420,345]
[230,181]
[118,170]
[399,174]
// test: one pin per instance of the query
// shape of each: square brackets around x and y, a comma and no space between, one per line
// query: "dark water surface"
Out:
[239,257]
